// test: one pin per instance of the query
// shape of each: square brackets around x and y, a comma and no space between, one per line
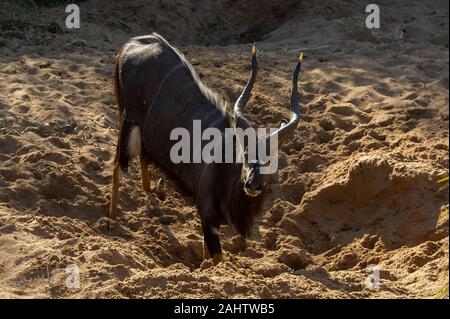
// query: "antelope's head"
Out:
[253,181]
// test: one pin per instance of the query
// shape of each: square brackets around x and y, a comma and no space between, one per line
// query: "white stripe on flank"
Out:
[134,142]
[172,70]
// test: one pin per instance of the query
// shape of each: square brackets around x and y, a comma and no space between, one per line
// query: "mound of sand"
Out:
[356,185]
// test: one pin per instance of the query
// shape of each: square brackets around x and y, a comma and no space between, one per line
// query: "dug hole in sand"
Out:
[356,187]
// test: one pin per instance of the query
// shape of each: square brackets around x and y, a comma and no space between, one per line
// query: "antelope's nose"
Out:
[253,188]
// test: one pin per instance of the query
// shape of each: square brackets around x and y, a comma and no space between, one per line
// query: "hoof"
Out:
[206,263]
[218,258]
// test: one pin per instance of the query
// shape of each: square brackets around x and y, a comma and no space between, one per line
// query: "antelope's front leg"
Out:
[211,242]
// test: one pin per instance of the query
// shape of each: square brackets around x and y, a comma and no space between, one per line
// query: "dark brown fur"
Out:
[218,188]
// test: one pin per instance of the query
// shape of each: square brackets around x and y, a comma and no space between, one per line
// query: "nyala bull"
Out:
[157,90]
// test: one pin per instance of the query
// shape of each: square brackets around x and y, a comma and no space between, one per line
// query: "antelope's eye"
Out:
[254,163]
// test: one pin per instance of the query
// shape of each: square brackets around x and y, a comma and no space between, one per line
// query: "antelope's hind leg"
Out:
[121,161]
[145,176]
[117,174]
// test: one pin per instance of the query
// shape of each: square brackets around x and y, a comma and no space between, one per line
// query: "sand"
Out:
[357,183]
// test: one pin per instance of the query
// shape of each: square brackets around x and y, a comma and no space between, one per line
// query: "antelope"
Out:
[157,90]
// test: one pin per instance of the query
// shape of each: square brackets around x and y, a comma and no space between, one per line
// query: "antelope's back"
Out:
[159,91]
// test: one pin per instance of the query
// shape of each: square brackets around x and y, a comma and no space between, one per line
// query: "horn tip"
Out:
[300,59]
